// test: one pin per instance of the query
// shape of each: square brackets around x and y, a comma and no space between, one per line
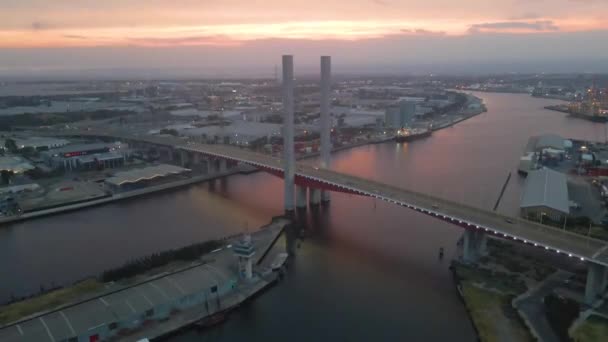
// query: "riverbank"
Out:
[564,109]
[174,296]
[489,289]
[121,196]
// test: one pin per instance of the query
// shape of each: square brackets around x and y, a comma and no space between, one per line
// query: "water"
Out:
[368,270]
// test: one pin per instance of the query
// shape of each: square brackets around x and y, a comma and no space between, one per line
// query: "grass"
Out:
[488,310]
[502,282]
[47,301]
[595,328]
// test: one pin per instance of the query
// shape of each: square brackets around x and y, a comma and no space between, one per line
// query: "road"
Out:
[532,307]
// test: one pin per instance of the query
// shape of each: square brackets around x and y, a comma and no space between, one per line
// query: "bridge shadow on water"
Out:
[313,220]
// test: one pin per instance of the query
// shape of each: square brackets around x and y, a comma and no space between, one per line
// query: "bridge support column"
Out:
[315,196]
[596,282]
[325,196]
[481,242]
[468,240]
[301,197]
[205,166]
[196,159]
[325,119]
[184,158]
[223,165]
[289,159]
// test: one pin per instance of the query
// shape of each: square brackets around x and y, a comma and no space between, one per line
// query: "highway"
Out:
[552,239]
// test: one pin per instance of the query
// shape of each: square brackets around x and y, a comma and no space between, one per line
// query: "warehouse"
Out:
[545,196]
[140,178]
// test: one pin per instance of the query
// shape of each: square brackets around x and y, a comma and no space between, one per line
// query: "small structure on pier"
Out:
[245,250]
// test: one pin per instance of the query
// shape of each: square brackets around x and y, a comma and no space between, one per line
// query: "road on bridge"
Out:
[550,238]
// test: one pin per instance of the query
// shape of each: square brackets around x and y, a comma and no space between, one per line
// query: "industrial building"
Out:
[86,156]
[238,133]
[40,143]
[545,196]
[548,141]
[139,178]
[401,115]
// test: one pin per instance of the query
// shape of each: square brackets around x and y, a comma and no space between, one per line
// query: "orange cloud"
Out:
[47,35]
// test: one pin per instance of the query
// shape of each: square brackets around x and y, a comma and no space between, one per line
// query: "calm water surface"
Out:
[368,270]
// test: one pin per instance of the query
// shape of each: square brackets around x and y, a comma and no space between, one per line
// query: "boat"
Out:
[411,134]
[279,261]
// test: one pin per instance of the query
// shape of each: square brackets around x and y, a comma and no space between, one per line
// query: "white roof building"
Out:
[146,173]
[546,188]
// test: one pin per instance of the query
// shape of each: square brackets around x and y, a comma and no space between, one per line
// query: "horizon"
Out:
[45,40]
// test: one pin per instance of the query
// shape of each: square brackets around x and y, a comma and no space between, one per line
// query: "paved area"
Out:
[588,197]
[71,321]
[531,306]
[553,239]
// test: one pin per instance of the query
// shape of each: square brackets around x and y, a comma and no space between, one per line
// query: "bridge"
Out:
[477,223]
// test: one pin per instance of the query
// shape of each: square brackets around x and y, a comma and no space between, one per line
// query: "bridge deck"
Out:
[551,238]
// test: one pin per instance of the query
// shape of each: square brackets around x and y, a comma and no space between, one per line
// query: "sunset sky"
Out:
[35,34]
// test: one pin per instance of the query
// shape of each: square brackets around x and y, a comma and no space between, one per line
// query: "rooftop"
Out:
[79,147]
[546,188]
[147,173]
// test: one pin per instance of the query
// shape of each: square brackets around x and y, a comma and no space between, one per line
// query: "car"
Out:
[508,220]
[435,206]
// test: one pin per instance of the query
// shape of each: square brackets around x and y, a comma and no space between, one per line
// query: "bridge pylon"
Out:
[325,119]
[289,160]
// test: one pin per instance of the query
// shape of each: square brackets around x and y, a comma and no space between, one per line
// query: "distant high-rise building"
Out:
[400,115]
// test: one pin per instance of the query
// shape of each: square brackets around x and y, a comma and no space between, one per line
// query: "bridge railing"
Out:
[464,212]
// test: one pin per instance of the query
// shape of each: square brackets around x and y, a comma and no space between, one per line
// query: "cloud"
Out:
[423,32]
[40,25]
[74,36]
[515,26]
[380,2]
[218,40]
[526,16]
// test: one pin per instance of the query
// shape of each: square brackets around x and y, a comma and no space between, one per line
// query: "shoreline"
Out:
[561,109]
[102,200]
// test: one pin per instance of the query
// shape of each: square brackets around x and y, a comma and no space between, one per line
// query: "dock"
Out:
[156,306]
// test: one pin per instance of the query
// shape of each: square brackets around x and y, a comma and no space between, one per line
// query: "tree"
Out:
[29,151]
[10,145]
[6,176]
[172,132]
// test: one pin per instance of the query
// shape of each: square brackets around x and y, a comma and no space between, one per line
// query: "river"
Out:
[367,270]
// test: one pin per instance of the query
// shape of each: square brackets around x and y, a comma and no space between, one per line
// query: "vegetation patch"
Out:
[47,301]
[492,315]
[595,328]
[141,265]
